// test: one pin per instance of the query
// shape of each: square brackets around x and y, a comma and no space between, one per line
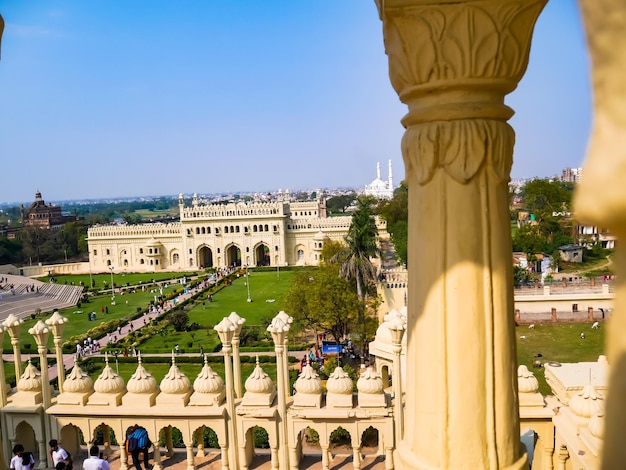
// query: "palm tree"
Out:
[354,260]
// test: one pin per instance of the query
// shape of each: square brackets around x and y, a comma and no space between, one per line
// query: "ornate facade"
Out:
[42,215]
[277,233]
[379,188]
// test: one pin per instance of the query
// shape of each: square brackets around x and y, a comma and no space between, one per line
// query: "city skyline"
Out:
[105,100]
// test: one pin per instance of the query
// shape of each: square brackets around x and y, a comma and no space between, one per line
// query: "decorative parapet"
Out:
[339,390]
[208,388]
[370,390]
[108,388]
[260,389]
[308,389]
[175,387]
[142,230]
[77,387]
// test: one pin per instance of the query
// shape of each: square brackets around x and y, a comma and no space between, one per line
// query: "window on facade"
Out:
[141,251]
[237,229]
[197,230]
[108,252]
[190,261]
[156,261]
[267,228]
[275,228]
[300,255]
[218,250]
[125,262]
[123,252]
[226,229]
[141,261]
[247,249]
[276,248]
[108,262]
[156,251]
[150,250]
[203,230]
[175,258]
[254,228]
[232,229]
[95,252]
[190,251]
[245,230]
[151,262]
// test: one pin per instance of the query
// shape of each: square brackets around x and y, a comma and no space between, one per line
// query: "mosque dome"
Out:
[175,382]
[141,381]
[309,382]
[208,381]
[339,382]
[259,381]
[78,381]
[109,381]
[30,381]
[587,403]
[370,382]
[526,380]
[153,242]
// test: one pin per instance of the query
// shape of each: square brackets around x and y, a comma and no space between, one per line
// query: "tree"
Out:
[396,213]
[320,300]
[543,197]
[338,204]
[362,244]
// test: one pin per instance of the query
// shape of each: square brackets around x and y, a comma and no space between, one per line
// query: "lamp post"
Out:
[238,322]
[397,326]
[278,329]
[112,287]
[56,322]
[226,330]
[248,283]
[12,324]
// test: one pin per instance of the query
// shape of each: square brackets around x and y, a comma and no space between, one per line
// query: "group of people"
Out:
[61,460]
[137,443]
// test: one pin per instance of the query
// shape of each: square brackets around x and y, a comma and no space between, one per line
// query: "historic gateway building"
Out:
[276,233]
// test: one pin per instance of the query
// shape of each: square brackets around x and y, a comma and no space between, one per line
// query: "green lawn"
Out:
[103,280]
[560,343]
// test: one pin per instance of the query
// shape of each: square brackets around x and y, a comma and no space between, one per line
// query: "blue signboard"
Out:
[331,347]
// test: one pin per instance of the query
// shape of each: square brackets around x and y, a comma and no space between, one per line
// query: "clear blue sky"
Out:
[150,97]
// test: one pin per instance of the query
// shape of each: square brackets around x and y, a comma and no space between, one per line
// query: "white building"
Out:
[274,233]
[379,188]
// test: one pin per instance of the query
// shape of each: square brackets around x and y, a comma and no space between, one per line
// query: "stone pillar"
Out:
[56,322]
[226,330]
[563,457]
[293,458]
[200,440]
[190,462]
[554,315]
[41,332]
[157,457]
[238,322]
[3,382]
[124,457]
[325,458]
[225,463]
[601,196]
[356,458]
[279,329]
[274,456]
[389,458]
[13,324]
[453,63]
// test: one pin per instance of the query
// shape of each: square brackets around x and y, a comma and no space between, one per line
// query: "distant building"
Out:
[571,253]
[45,216]
[256,233]
[572,175]
[379,188]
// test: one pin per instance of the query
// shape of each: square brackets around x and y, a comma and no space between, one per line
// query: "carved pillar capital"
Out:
[453,63]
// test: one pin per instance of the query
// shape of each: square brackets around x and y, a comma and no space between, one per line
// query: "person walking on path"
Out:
[21,460]
[95,462]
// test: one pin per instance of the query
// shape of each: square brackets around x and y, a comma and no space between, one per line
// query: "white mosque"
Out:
[379,188]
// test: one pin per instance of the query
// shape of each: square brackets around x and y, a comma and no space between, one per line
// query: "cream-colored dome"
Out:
[153,242]
[109,381]
[208,381]
[308,382]
[259,381]
[383,335]
[370,382]
[30,381]
[339,382]
[596,426]
[175,382]
[78,381]
[141,381]
[587,403]
[526,380]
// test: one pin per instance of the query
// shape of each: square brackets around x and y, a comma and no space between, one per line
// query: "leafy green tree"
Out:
[338,204]
[321,301]
[543,197]
[396,213]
